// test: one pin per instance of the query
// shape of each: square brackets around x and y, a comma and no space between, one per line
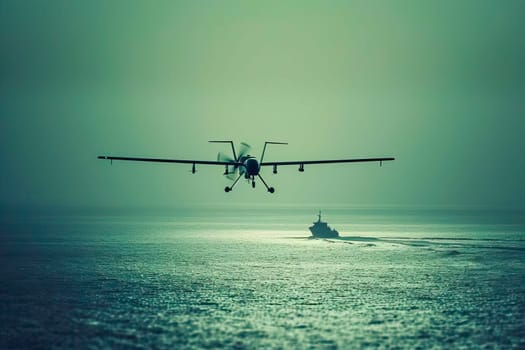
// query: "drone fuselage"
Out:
[252,167]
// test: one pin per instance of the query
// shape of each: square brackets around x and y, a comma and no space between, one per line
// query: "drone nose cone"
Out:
[252,166]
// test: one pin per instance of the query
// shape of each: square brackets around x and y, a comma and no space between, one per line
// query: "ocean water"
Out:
[250,278]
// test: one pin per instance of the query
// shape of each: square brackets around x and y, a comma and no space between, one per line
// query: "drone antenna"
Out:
[233,148]
[270,143]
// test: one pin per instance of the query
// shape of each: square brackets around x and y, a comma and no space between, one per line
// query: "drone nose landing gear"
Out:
[270,189]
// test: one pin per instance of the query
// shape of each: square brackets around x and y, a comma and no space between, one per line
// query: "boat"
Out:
[321,229]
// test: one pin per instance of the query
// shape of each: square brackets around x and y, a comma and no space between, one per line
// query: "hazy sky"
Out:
[439,85]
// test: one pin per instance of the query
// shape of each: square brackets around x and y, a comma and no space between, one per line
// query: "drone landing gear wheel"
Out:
[253,183]
[270,189]
[229,188]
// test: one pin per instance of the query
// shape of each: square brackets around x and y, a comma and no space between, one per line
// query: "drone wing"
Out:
[326,161]
[163,160]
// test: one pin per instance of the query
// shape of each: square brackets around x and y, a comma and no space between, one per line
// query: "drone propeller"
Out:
[232,169]
[244,149]
[221,157]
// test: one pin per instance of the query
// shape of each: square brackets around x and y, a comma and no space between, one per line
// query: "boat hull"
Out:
[323,233]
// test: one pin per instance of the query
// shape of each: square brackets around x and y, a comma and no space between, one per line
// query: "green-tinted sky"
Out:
[440,85]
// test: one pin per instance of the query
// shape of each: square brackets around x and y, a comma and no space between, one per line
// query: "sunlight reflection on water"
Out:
[165,284]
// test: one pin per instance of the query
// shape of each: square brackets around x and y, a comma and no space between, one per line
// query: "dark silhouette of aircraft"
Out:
[245,165]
